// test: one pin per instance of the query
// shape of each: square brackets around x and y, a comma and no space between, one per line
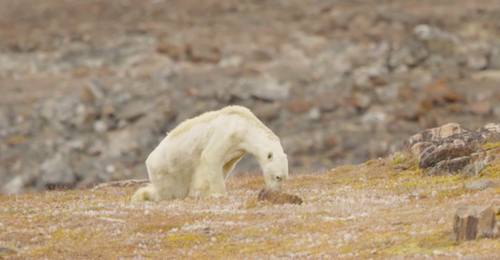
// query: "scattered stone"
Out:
[409,53]
[96,90]
[176,52]
[449,166]
[452,148]
[5,251]
[327,102]
[15,186]
[314,113]
[481,184]
[100,126]
[123,184]
[474,222]
[433,155]
[495,58]
[276,197]
[135,109]
[482,107]
[298,107]
[266,112]
[264,88]
[435,134]
[474,168]
[200,53]
[56,172]
[487,75]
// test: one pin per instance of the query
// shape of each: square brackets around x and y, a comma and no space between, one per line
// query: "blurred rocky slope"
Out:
[90,88]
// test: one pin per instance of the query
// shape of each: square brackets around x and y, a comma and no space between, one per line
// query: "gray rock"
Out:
[410,53]
[481,184]
[14,186]
[265,88]
[4,251]
[435,134]
[60,114]
[314,114]
[495,58]
[124,142]
[135,109]
[97,90]
[56,171]
[101,126]
[449,166]
[474,168]
[435,154]
[4,120]
[266,112]
[474,222]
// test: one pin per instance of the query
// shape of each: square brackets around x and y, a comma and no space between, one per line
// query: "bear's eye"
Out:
[269,155]
[278,177]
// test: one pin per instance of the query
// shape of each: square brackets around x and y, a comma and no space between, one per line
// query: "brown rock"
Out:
[201,53]
[331,142]
[176,52]
[108,110]
[15,139]
[361,100]
[453,97]
[81,72]
[482,107]
[276,197]
[473,222]
[437,90]
[327,102]
[298,107]
[407,111]
[454,108]
[426,105]
[486,155]
[405,92]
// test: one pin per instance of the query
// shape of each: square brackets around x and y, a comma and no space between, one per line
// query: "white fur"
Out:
[196,157]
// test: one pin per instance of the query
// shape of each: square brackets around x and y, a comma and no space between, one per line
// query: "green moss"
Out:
[397,160]
[490,146]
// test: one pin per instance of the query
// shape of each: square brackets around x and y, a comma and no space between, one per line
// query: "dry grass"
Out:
[374,210]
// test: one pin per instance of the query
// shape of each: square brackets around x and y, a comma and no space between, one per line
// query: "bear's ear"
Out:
[269,155]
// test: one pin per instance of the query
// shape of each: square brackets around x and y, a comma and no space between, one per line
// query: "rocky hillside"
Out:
[89,88]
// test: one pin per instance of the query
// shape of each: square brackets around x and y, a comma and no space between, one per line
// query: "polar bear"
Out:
[195,158]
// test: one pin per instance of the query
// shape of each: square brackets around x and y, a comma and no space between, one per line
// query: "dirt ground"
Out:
[370,211]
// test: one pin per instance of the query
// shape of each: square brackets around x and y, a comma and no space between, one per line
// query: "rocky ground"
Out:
[89,88]
[382,209]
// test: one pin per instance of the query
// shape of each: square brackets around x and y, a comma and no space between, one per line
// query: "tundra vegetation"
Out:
[381,209]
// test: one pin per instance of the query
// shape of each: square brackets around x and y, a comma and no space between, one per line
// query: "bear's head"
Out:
[275,168]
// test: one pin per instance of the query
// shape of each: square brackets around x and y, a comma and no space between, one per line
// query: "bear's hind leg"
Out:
[166,184]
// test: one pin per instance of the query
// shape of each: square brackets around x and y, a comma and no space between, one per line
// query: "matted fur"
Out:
[233,109]
[196,157]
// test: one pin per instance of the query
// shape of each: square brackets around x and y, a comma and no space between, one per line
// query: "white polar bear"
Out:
[195,158]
